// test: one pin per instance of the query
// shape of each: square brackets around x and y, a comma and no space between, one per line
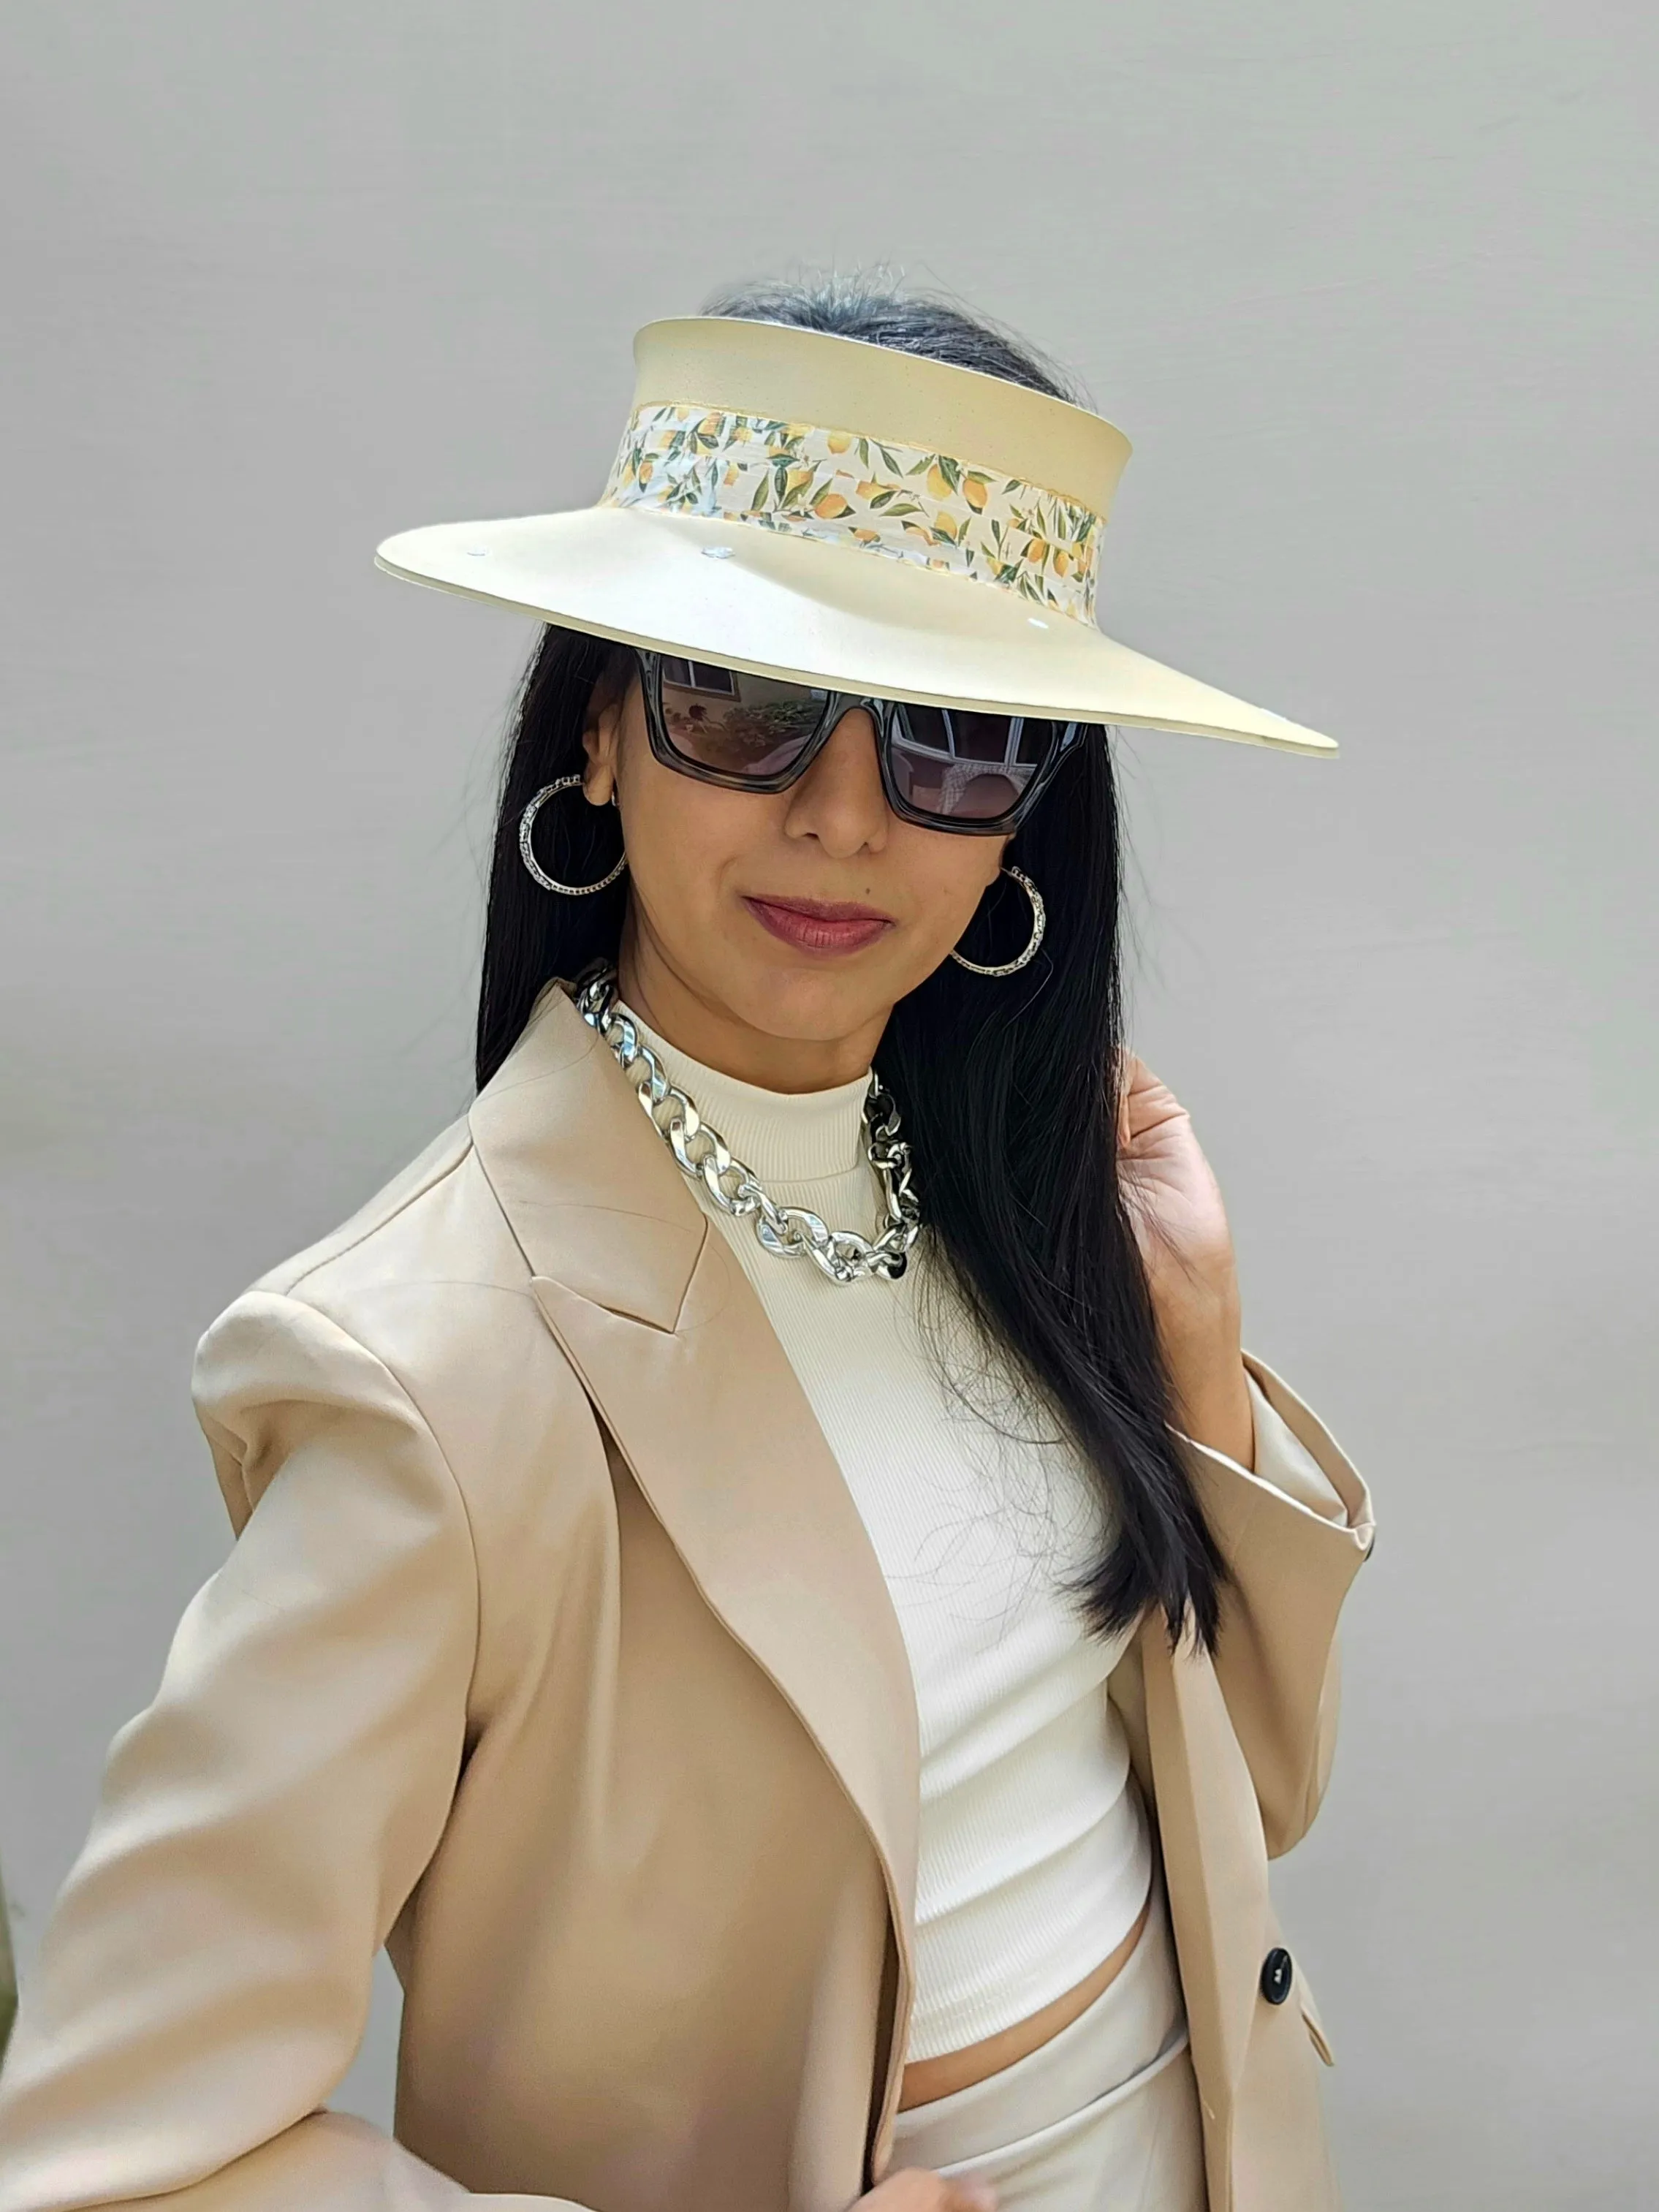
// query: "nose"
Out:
[839,800]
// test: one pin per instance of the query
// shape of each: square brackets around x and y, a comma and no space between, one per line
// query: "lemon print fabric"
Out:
[927,508]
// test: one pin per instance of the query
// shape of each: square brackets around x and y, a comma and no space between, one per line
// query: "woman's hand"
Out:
[1187,1249]
[916,2190]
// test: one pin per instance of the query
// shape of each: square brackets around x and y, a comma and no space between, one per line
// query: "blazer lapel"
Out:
[675,1350]
[1210,1828]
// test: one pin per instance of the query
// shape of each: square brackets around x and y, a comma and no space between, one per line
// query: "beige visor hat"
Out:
[793,504]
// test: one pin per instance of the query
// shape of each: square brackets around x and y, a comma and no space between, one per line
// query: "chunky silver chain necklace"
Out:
[703,1156]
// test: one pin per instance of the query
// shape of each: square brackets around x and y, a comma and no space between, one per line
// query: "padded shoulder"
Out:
[440,1159]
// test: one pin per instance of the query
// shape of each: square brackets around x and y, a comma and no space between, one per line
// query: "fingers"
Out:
[1136,1085]
[914,2189]
[1145,1103]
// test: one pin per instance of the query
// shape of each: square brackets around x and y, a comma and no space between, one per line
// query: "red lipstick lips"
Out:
[820,924]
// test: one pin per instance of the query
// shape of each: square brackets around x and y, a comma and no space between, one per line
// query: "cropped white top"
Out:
[1034,1860]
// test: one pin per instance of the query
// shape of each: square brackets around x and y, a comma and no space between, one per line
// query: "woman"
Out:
[789,1613]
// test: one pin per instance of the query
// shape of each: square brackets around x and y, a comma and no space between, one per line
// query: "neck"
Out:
[707,1031]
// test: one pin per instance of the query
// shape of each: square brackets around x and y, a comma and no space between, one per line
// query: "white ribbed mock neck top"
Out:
[1034,1859]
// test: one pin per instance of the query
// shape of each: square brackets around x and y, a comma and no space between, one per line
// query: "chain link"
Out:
[702,1156]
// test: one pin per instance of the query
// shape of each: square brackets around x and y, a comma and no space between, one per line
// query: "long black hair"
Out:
[1007,1088]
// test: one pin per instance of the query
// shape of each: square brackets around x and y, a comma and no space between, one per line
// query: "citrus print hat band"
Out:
[927,508]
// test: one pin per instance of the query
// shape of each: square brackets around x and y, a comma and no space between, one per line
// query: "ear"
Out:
[602,741]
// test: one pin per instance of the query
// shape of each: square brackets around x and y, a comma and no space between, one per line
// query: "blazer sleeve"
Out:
[1294,1531]
[203,1982]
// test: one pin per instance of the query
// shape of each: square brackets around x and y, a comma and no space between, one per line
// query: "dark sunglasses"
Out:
[943,767]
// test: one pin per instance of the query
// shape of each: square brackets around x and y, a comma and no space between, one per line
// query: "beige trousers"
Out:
[1104,2118]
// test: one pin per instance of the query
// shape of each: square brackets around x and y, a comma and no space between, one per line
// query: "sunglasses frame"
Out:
[888,717]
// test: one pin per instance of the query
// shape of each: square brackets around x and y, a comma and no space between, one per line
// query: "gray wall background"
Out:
[1371,289]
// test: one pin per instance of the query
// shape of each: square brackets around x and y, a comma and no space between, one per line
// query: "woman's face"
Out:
[770,933]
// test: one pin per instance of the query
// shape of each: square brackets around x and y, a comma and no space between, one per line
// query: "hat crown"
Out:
[842,383]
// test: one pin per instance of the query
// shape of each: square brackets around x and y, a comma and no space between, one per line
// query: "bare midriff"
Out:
[928,2078]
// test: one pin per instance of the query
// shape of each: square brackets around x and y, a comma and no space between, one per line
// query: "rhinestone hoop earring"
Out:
[1039,923]
[527,824]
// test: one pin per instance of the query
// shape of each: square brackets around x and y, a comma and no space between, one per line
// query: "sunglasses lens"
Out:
[737,725]
[966,766]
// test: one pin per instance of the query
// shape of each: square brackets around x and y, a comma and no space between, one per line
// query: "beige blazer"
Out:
[552,1654]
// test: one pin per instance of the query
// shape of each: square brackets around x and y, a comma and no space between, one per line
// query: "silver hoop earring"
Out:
[527,824]
[1039,923]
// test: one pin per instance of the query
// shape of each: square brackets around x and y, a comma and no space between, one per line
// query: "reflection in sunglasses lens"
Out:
[737,725]
[968,766]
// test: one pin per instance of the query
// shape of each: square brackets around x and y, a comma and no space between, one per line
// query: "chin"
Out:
[811,1002]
